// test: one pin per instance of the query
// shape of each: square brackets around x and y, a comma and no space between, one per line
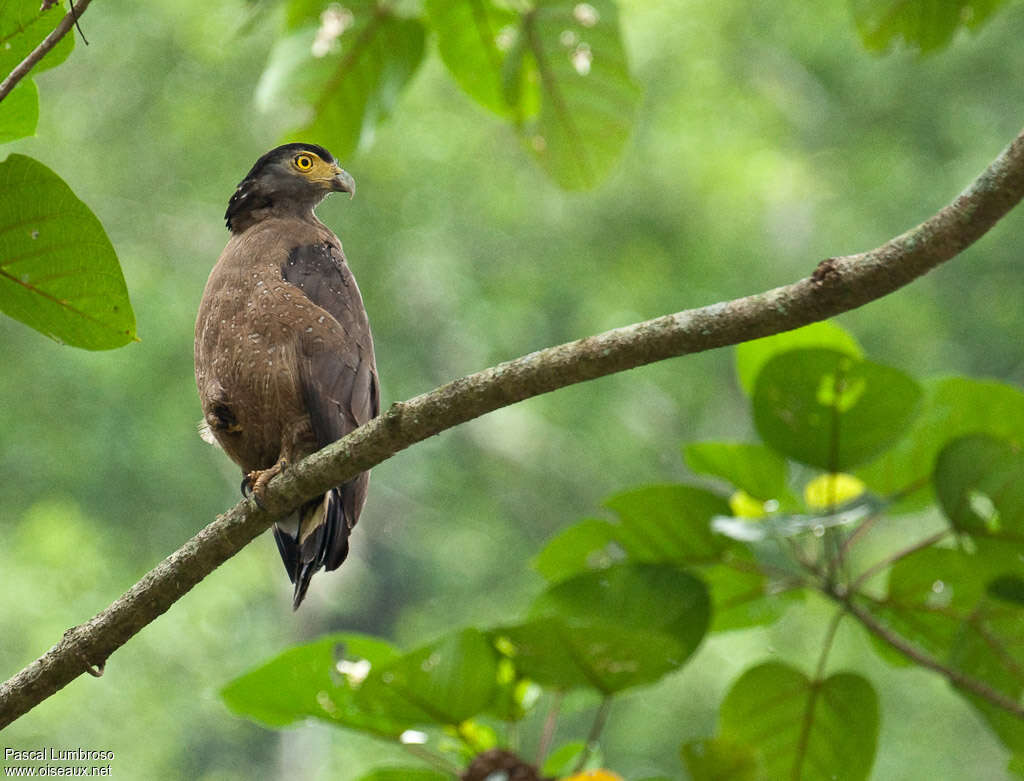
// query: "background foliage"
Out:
[764,139]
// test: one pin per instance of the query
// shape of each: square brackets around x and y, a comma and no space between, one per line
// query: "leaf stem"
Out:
[547,734]
[888,561]
[595,732]
[435,760]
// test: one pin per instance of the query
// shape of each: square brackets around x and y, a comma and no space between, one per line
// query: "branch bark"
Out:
[837,285]
[21,70]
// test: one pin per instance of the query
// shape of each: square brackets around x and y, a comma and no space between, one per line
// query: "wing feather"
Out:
[338,377]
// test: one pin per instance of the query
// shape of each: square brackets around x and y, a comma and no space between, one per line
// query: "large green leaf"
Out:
[344,74]
[669,523]
[800,729]
[756,469]
[830,410]
[991,648]
[587,545]
[317,680]
[922,24]
[933,594]
[979,481]
[19,112]
[952,407]
[752,356]
[23,26]
[472,38]
[588,99]
[657,523]
[929,596]
[741,595]
[1008,588]
[610,630]
[659,597]
[58,272]
[718,759]
[445,682]
[405,774]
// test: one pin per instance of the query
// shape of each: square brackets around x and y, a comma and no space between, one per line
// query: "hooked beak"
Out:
[342,182]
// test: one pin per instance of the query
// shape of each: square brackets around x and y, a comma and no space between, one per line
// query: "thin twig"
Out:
[888,561]
[956,677]
[21,70]
[600,718]
[863,528]
[837,285]
[870,522]
[436,760]
[547,735]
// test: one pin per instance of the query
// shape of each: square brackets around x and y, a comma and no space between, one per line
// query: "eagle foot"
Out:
[255,483]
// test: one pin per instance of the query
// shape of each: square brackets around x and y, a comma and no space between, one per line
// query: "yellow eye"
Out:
[303,162]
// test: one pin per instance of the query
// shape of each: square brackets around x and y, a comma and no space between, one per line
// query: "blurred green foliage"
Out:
[766,138]
[625,609]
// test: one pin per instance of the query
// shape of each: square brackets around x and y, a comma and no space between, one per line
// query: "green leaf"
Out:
[666,523]
[752,356]
[991,648]
[659,597]
[610,630]
[741,595]
[23,26]
[588,98]
[317,680]
[979,481]
[756,469]
[951,408]
[829,410]
[562,760]
[1008,588]
[19,112]
[719,759]
[669,523]
[1016,765]
[561,654]
[58,272]
[801,729]
[301,13]
[344,74]
[922,24]
[446,682]
[588,545]
[405,774]
[933,592]
[472,39]
[930,593]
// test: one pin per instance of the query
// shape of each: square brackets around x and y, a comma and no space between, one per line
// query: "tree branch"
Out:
[837,285]
[22,69]
[959,679]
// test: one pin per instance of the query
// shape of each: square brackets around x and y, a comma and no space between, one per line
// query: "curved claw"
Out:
[255,483]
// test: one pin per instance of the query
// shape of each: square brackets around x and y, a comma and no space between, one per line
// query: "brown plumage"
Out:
[283,351]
